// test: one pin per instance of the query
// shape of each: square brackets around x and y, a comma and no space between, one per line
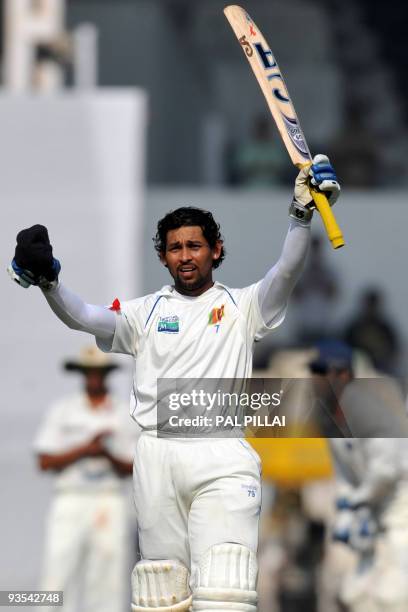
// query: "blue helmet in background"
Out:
[332,354]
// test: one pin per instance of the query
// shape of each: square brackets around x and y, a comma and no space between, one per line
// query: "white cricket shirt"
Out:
[70,423]
[174,336]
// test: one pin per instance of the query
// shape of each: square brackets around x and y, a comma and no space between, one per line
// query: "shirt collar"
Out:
[170,291]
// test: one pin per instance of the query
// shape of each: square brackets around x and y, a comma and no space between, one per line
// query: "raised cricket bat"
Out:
[274,89]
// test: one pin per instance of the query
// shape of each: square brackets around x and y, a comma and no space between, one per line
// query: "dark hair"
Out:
[189,216]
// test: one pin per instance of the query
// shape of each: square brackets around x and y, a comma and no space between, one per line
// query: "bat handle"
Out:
[329,220]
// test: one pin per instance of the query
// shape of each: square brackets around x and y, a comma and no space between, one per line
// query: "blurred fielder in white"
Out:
[87,441]
[372,518]
[372,496]
[197,500]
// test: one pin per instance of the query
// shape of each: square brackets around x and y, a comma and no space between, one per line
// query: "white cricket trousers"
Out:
[191,494]
[86,553]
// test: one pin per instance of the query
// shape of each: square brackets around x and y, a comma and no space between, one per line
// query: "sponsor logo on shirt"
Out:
[216,315]
[169,325]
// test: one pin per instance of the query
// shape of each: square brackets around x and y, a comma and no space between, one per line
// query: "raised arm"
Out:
[77,314]
[280,280]
[34,264]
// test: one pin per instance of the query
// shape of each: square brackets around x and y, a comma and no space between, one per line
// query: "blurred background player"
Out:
[372,330]
[371,515]
[300,564]
[86,440]
[372,520]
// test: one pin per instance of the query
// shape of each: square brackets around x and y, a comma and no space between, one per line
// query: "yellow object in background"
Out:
[293,461]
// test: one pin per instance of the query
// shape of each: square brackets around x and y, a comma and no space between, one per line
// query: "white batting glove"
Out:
[323,177]
[320,175]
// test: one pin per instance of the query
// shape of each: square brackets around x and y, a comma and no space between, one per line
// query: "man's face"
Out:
[189,259]
[95,382]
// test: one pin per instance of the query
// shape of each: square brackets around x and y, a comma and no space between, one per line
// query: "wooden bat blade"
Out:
[269,77]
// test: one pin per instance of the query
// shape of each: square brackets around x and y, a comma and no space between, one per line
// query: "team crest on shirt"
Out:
[169,325]
[216,315]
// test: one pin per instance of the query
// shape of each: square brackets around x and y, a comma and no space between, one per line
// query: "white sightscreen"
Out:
[75,163]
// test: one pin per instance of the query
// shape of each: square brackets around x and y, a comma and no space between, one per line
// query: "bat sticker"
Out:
[246,45]
[266,57]
[295,134]
[277,93]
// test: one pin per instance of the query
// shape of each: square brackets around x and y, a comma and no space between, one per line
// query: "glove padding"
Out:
[323,177]
[355,527]
[33,262]
[320,175]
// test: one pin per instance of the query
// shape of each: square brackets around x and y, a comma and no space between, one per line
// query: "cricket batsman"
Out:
[197,500]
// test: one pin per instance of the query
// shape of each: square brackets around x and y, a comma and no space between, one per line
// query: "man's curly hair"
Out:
[188,216]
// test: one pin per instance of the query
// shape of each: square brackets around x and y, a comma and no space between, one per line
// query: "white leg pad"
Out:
[227,580]
[160,586]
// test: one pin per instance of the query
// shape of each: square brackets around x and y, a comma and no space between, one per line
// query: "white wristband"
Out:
[301,213]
